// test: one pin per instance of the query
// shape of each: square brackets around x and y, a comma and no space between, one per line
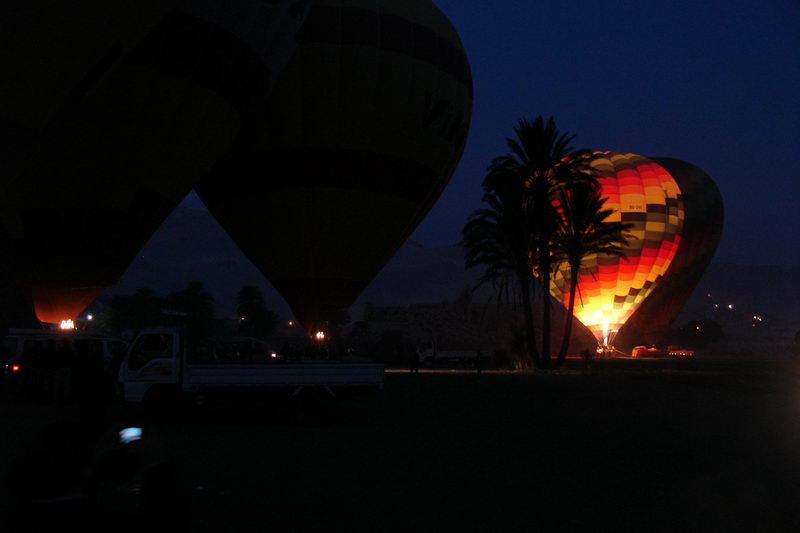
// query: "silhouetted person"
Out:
[95,371]
[48,364]
[5,357]
[587,360]
[31,364]
[90,378]
[62,373]
[76,355]
[113,371]
[413,359]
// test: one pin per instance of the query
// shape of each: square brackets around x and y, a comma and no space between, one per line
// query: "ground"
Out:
[692,445]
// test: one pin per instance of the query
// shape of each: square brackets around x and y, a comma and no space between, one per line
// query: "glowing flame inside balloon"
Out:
[67,324]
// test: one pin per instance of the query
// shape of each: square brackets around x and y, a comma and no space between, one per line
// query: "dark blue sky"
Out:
[714,83]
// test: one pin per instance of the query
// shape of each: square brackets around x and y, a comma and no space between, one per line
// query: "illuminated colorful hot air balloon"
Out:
[610,289]
[702,229]
[362,133]
[123,126]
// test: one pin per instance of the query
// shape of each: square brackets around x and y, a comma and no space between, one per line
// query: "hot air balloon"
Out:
[610,289]
[702,229]
[134,129]
[362,133]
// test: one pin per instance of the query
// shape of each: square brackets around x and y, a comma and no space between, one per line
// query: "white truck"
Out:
[161,361]
[429,353]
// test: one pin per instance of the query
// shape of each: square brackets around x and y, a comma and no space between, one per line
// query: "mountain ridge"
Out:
[191,246]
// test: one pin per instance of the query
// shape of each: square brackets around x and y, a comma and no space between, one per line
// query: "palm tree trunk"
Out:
[545,356]
[530,333]
[573,288]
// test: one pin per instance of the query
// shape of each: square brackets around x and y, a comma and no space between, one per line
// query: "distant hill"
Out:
[771,292]
[190,245]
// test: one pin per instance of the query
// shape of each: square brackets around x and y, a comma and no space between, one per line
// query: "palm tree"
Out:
[513,236]
[545,161]
[498,237]
[584,231]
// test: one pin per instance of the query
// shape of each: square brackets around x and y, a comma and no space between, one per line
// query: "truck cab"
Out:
[152,360]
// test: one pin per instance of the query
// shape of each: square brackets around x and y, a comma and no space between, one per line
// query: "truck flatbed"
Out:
[156,361]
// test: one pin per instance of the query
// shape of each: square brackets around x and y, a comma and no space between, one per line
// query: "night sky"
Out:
[714,83]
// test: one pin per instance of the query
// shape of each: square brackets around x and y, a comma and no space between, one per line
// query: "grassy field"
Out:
[693,445]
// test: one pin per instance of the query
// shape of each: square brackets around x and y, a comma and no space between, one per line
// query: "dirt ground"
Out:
[690,445]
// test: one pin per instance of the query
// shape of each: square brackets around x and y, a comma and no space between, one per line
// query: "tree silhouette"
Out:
[135,311]
[197,307]
[256,320]
[521,222]
[498,237]
[583,231]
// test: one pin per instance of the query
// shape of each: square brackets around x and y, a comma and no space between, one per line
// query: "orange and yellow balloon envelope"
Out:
[643,194]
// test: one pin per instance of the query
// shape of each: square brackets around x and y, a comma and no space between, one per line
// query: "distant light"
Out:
[273,355]
[697,328]
[730,306]
[67,324]
[89,317]
[241,318]
[709,295]
[291,323]
[15,368]
[320,335]
[716,305]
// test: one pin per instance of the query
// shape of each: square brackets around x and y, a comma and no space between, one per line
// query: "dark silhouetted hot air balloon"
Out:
[143,99]
[362,133]
[610,289]
[702,229]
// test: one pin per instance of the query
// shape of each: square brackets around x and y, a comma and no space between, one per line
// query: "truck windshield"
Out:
[149,347]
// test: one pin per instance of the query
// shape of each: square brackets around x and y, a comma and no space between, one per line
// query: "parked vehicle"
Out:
[679,351]
[644,351]
[164,361]
[23,348]
[429,352]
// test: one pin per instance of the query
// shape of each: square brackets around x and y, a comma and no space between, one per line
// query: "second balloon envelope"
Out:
[362,133]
